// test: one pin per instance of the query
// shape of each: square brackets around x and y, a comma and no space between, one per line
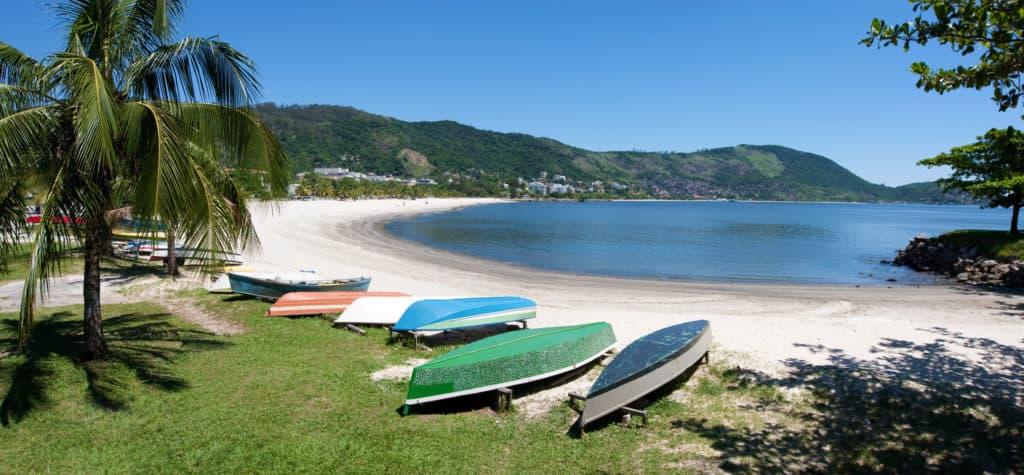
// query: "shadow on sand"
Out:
[142,346]
[915,408]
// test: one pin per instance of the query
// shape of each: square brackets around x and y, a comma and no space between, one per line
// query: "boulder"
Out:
[929,255]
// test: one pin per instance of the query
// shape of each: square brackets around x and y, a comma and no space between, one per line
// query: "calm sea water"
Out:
[818,243]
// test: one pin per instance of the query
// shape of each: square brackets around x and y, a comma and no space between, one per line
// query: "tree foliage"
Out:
[992,31]
[991,169]
[127,115]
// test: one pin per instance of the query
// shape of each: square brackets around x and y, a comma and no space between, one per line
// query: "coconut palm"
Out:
[127,116]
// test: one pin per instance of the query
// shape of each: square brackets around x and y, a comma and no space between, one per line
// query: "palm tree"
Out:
[126,116]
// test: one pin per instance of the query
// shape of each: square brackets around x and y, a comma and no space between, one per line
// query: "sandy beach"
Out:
[947,332]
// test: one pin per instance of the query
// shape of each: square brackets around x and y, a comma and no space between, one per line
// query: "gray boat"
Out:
[644,366]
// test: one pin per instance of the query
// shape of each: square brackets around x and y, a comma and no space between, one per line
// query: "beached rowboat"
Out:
[319,303]
[451,314]
[646,364]
[198,257]
[384,311]
[273,286]
[508,359]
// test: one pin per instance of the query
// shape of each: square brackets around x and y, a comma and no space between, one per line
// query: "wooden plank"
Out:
[573,397]
[503,399]
[633,412]
[355,329]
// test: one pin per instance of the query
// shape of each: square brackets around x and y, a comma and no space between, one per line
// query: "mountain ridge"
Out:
[341,136]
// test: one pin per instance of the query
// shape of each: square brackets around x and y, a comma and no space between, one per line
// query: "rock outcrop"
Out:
[963,264]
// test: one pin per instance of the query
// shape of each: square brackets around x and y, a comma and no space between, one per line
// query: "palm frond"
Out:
[12,215]
[164,185]
[247,142]
[16,98]
[182,182]
[158,18]
[52,237]
[97,115]
[195,70]
[23,133]
[222,223]
[16,67]
[87,23]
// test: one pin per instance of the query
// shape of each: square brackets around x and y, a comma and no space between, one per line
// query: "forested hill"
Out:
[333,136]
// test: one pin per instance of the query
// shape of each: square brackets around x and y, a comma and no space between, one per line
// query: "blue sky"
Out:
[603,75]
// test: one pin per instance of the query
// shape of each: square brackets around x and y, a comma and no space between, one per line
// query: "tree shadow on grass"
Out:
[142,347]
[916,408]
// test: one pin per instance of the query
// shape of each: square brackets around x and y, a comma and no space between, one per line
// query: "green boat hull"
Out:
[508,359]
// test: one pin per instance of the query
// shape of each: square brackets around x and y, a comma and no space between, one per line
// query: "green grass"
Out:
[765,162]
[294,395]
[996,244]
[17,267]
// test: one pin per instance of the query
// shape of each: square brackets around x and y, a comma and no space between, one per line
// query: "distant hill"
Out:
[334,136]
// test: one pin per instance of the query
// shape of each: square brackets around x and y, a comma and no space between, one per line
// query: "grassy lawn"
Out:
[1000,244]
[294,395]
[17,267]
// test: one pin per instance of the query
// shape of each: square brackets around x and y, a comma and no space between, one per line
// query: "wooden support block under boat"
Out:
[503,399]
[628,412]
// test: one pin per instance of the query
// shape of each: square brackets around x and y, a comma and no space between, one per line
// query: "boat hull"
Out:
[451,314]
[319,303]
[646,365]
[384,311]
[508,359]
[271,288]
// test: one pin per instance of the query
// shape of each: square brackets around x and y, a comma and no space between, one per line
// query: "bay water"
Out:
[805,243]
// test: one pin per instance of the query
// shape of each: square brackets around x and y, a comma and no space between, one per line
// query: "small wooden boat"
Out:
[383,311]
[139,249]
[508,359]
[319,303]
[273,285]
[451,314]
[192,257]
[646,364]
[220,285]
[127,228]
[126,234]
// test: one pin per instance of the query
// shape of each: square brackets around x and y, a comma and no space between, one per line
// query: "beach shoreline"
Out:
[772,325]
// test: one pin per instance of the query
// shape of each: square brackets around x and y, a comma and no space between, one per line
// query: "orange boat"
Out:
[318,303]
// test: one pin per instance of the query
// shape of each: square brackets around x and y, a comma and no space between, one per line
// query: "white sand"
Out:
[928,332]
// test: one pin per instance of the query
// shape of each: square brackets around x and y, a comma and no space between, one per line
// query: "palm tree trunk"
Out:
[1013,219]
[172,256]
[95,343]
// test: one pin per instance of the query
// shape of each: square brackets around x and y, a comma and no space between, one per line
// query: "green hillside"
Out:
[334,136]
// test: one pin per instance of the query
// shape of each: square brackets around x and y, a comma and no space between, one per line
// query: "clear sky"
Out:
[602,75]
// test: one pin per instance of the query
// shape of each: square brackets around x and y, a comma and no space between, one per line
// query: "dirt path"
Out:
[67,290]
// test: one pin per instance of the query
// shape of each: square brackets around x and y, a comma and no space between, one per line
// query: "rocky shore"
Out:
[963,264]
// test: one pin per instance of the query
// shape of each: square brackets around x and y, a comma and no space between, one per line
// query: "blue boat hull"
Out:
[456,313]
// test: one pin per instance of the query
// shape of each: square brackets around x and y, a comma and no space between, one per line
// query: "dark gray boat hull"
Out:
[600,405]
